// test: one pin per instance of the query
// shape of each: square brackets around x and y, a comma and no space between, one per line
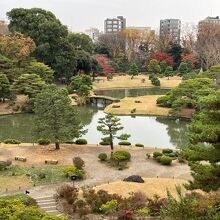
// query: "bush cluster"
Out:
[166,157]
[81,141]
[155,81]
[121,155]
[139,145]
[71,170]
[11,141]
[43,141]
[103,156]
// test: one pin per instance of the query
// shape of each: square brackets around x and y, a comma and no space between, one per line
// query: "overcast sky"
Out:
[82,14]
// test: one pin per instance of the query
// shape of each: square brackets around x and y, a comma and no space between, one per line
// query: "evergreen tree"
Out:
[153,67]
[169,71]
[5,91]
[109,125]
[204,134]
[56,119]
[133,71]
[183,68]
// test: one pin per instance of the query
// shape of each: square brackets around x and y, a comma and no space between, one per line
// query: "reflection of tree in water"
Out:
[86,113]
[176,129]
[17,127]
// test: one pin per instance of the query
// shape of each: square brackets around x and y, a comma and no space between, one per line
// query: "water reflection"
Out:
[122,93]
[150,131]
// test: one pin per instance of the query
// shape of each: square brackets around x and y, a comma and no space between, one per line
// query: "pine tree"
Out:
[133,71]
[204,134]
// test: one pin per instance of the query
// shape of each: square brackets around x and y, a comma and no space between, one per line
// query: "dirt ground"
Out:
[96,172]
[127,82]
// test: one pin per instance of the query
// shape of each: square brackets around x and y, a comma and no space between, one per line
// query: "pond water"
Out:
[150,131]
[122,93]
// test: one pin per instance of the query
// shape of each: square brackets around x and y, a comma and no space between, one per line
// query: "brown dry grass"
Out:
[148,106]
[151,187]
[14,183]
[127,82]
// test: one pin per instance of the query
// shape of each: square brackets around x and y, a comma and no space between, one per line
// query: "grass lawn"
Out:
[147,106]
[127,82]
[151,187]
[19,176]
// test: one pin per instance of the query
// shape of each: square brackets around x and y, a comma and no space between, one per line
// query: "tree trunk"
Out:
[111,142]
[57,144]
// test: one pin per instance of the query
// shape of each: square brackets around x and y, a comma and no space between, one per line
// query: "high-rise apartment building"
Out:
[171,27]
[212,21]
[114,25]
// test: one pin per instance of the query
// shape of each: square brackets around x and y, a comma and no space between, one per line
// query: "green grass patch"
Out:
[39,175]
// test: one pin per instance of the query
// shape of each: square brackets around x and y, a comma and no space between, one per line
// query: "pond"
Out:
[122,93]
[150,131]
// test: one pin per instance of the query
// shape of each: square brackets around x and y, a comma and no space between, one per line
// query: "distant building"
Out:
[114,25]
[213,21]
[171,27]
[93,33]
[3,28]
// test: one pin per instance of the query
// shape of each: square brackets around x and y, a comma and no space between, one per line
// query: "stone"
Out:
[134,178]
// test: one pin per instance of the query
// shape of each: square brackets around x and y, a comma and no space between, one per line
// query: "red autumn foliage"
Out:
[190,57]
[104,62]
[161,56]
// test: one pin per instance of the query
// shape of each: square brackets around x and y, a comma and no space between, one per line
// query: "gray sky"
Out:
[82,14]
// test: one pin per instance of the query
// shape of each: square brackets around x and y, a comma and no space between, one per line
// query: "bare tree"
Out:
[208,45]
[115,42]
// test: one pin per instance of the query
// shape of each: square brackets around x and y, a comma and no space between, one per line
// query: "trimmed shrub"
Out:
[164,160]
[11,141]
[139,145]
[158,158]
[121,155]
[43,141]
[103,156]
[81,141]
[157,154]
[125,143]
[104,143]
[167,151]
[72,170]
[78,162]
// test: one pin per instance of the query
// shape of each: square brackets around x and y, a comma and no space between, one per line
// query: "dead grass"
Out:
[148,106]
[14,183]
[127,82]
[151,187]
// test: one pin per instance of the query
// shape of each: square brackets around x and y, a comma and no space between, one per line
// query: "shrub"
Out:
[81,141]
[139,145]
[157,154]
[5,164]
[155,81]
[164,160]
[125,143]
[158,158]
[167,151]
[72,170]
[109,76]
[78,162]
[43,141]
[126,214]
[143,212]
[103,156]
[121,155]
[109,207]
[67,192]
[11,141]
